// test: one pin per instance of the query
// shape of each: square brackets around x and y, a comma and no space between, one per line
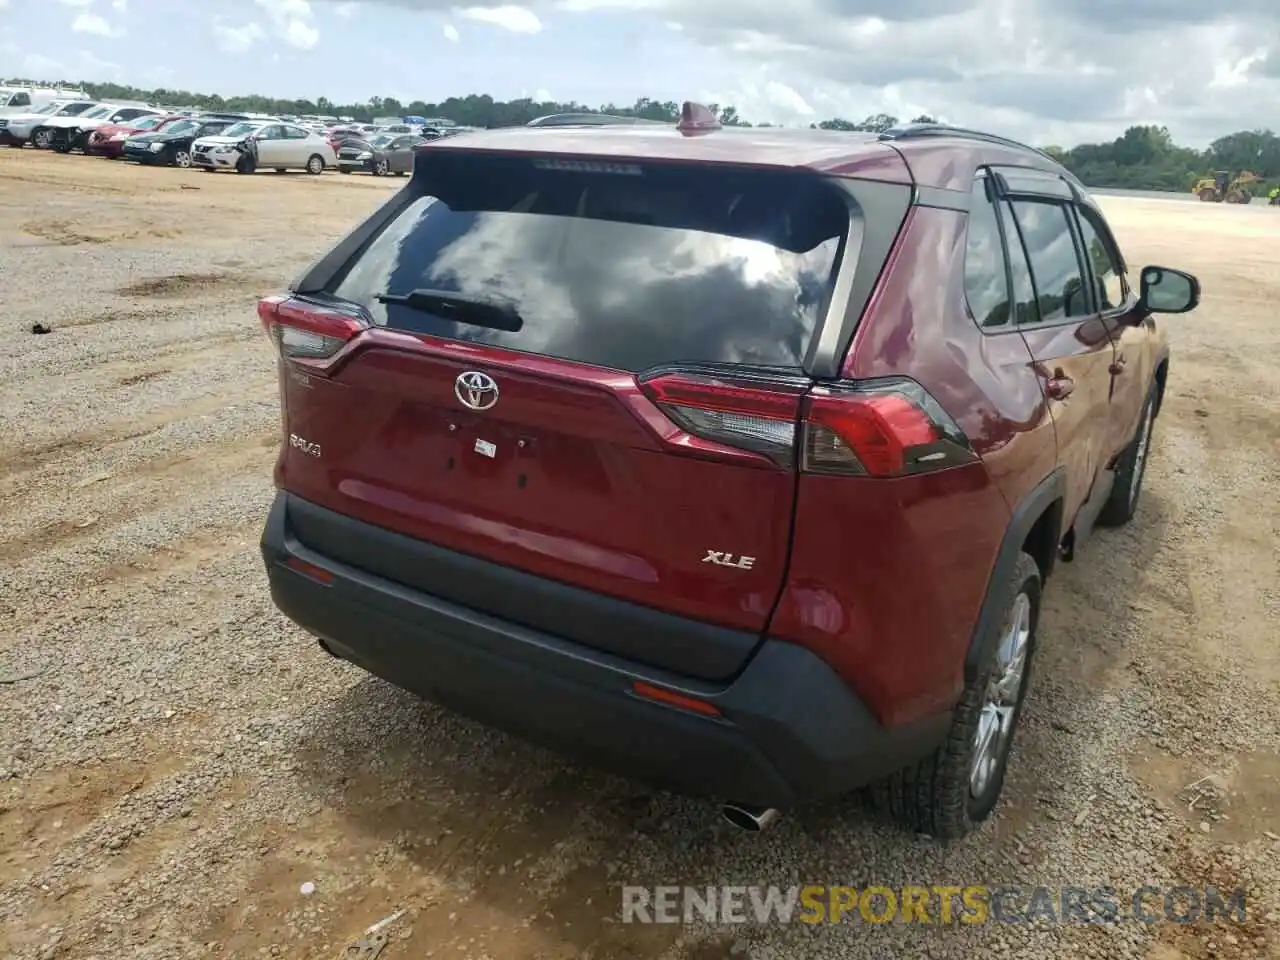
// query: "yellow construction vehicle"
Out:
[1221,187]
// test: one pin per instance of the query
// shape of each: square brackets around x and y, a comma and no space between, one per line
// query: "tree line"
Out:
[1142,158]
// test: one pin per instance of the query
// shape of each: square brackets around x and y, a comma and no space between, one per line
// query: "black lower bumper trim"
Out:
[790,729]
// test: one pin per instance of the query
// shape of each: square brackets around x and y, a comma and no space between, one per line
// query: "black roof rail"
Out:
[911,131]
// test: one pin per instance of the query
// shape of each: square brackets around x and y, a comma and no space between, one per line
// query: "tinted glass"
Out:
[986,286]
[1108,282]
[1055,266]
[20,100]
[1024,291]
[628,269]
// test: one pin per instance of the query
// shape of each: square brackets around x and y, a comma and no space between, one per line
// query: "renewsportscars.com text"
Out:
[940,904]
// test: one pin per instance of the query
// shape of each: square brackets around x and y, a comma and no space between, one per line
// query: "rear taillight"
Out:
[881,428]
[755,413]
[307,331]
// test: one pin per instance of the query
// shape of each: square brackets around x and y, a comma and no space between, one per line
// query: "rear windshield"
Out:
[627,267]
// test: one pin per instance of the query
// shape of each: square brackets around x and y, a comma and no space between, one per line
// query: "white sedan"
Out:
[278,146]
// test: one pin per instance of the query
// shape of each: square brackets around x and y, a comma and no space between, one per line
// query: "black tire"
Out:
[315,164]
[42,138]
[180,158]
[246,164]
[380,168]
[936,796]
[1122,504]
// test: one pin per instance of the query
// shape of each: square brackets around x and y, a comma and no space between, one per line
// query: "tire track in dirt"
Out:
[93,510]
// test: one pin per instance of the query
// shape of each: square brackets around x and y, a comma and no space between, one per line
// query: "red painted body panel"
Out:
[918,325]
[589,483]
[887,587]
[100,142]
[886,579]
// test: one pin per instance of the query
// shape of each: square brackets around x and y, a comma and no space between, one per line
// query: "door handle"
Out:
[1059,386]
[1117,366]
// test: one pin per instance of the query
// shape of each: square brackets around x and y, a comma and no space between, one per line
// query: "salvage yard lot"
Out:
[176,760]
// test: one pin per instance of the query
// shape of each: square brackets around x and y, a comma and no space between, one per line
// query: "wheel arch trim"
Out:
[1043,501]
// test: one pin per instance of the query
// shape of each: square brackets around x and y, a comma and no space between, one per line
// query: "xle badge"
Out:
[486,449]
[721,559]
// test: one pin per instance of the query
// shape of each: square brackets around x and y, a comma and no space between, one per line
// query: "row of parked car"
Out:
[213,141]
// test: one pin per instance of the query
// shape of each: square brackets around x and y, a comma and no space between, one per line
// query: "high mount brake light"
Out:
[885,428]
[882,428]
[306,331]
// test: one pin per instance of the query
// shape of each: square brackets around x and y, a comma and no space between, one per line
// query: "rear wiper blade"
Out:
[460,308]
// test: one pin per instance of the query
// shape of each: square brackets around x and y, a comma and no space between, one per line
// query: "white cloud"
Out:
[95,25]
[292,21]
[78,4]
[120,6]
[542,95]
[42,68]
[347,10]
[236,39]
[507,17]
[451,33]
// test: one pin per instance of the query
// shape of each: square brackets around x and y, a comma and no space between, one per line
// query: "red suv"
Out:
[735,460]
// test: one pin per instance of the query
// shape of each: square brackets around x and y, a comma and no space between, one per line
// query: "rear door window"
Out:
[612,264]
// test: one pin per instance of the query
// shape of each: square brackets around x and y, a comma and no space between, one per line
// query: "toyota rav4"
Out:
[733,459]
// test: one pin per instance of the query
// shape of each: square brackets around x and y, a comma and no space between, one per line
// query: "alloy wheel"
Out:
[1140,460]
[1000,700]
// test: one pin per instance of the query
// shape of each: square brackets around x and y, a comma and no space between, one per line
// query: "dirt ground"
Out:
[177,761]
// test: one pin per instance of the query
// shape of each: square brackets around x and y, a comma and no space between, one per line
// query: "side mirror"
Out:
[1165,290]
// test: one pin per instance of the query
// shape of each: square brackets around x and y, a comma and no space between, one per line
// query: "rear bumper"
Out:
[790,729]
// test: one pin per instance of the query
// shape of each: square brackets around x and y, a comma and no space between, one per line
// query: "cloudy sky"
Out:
[1051,71]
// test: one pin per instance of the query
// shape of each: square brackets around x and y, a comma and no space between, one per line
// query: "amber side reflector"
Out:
[309,570]
[649,692]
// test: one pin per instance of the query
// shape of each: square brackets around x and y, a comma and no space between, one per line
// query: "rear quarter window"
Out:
[630,269]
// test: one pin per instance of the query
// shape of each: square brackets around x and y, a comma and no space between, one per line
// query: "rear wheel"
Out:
[1208,195]
[1123,501]
[380,168]
[315,164]
[948,794]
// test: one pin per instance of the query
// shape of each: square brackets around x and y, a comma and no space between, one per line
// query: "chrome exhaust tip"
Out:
[749,818]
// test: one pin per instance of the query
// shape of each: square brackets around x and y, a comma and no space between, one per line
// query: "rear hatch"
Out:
[581,373]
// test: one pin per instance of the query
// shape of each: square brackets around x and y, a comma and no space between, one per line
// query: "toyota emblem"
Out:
[476,390]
